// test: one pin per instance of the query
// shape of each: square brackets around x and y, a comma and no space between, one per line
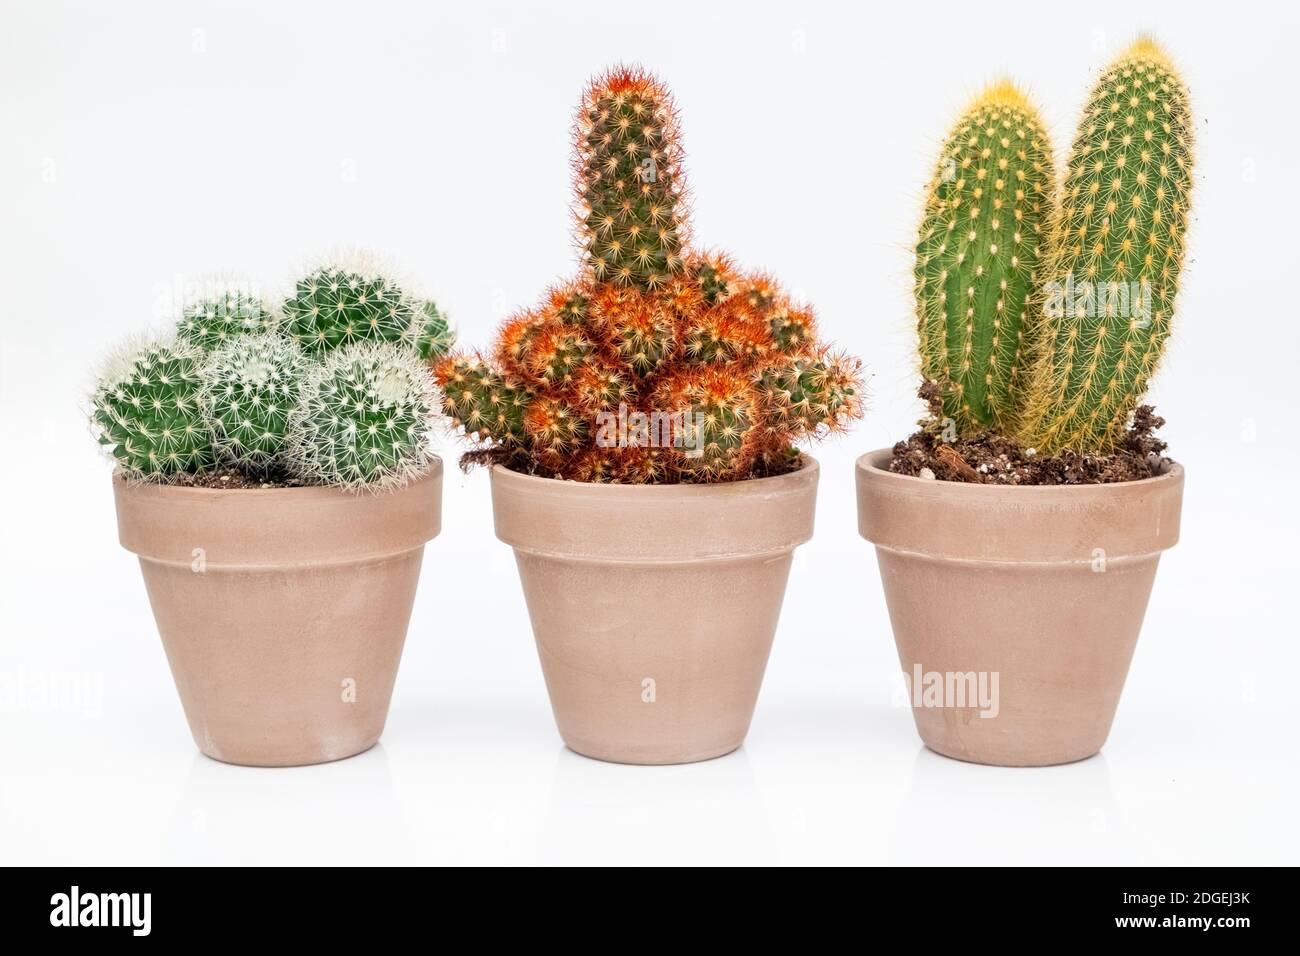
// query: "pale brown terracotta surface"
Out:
[300,590]
[983,578]
[676,584]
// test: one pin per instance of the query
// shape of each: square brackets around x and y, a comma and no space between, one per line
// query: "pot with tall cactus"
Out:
[1019,530]
[640,425]
[274,477]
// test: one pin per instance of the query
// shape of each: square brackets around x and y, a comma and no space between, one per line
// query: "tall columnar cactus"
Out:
[986,213]
[146,410]
[345,302]
[364,417]
[1110,282]
[658,364]
[629,181]
[250,386]
[1042,312]
[213,320]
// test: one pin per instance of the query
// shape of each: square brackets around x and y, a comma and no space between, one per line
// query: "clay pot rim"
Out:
[243,529]
[302,493]
[653,524]
[871,464]
[613,489]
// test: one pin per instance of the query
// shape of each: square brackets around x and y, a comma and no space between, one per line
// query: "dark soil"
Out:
[231,478]
[992,459]
[792,460]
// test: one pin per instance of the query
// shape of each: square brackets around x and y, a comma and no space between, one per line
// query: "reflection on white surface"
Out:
[294,812]
[630,814]
[998,810]
[480,781]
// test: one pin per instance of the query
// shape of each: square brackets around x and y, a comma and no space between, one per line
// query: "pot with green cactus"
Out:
[1018,532]
[274,476]
[640,426]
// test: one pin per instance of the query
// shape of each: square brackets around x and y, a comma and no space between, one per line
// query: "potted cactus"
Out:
[1019,530]
[275,478]
[639,424]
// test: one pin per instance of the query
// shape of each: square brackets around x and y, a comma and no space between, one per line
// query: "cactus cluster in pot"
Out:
[653,384]
[329,387]
[1043,308]
[282,597]
[660,362]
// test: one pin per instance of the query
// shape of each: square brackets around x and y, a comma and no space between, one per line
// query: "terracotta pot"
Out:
[1034,594]
[283,611]
[654,606]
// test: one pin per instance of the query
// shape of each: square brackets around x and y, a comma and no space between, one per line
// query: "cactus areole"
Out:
[659,362]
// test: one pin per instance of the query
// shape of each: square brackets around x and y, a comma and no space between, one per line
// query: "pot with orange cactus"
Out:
[640,426]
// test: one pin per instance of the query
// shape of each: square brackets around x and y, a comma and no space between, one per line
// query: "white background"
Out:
[144,143]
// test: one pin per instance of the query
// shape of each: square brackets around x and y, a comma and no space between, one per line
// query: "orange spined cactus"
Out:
[658,363]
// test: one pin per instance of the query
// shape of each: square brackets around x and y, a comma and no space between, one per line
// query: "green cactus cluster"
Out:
[657,363]
[1042,311]
[333,389]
